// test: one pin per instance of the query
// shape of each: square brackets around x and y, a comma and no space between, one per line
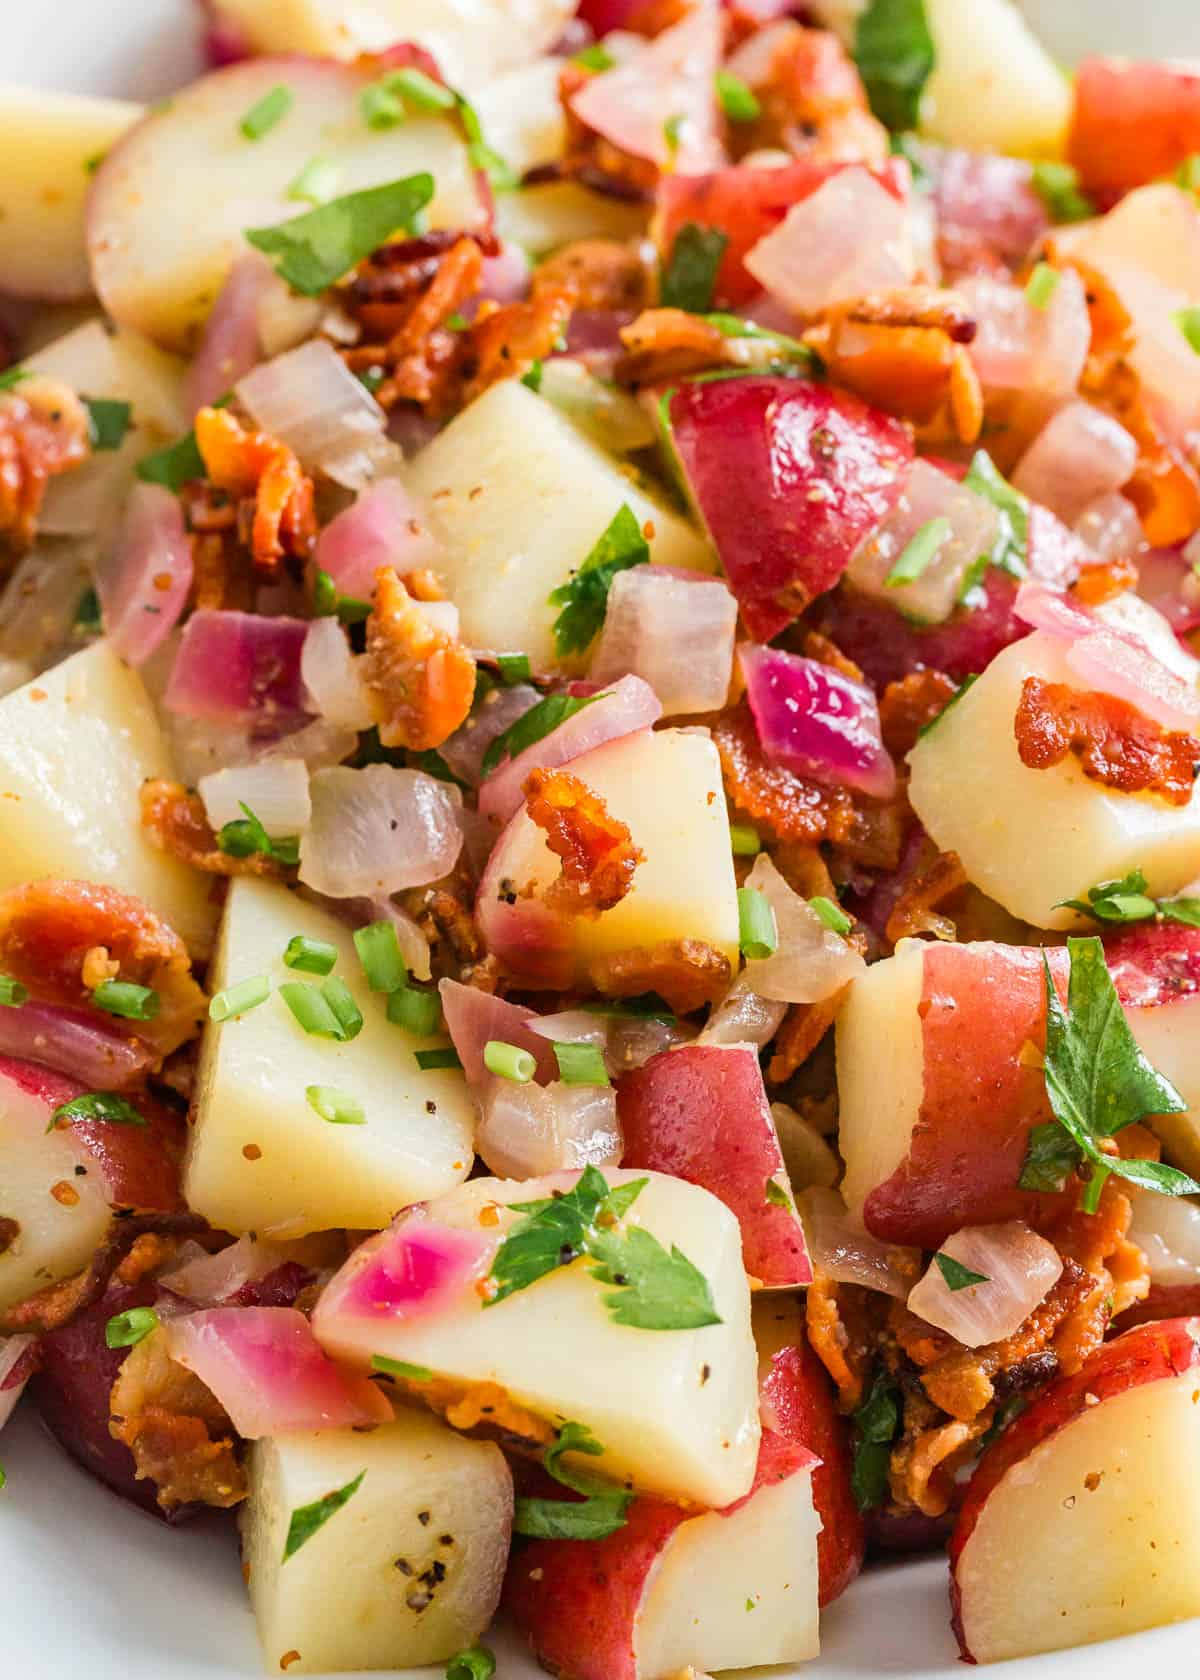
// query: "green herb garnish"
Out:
[533,725]
[108,422]
[957,1275]
[1057,185]
[476,1663]
[580,1064]
[895,54]
[878,1421]
[1010,551]
[400,1368]
[758,933]
[240,999]
[919,552]
[124,998]
[1042,285]
[127,1329]
[309,1518]
[834,917]
[313,250]
[245,836]
[335,1106]
[689,279]
[736,98]
[584,597]
[97,1105]
[509,1061]
[602,1509]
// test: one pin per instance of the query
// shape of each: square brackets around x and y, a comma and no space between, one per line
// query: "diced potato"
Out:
[261,1159]
[676,1411]
[76,745]
[521,498]
[543,218]
[1169,1034]
[1029,838]
[994,86]
[878,1026]
[407,1572]
[522,115]
[51,144]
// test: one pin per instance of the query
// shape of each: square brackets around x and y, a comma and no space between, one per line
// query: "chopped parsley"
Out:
[271,109]
[97,1105]
[534,725]
[689,279]
[108,422]
[737,100]
[1010,551]
[777,1196]
[602,1509]
[532,377]
[173,467]
[895,54]
[307,1519]
[88,618]
[878,1422]
[956,1275]
[13,376]
[1057,185]
[245,836]
[594,57]
[651,1288]
[583,599]
[313,250]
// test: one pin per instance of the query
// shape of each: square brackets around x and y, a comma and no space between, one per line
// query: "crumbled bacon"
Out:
[916,910]
[597,850]
[504,343]
[267,479]
[47,929]
[803,1029]
[590,157]
[43,432]
[1116,744]
[174,820]
[910,705]
[664,344]
[420,681]
[58,1303]
[421,350]
[812,103]
[178,1432]
[686,973]
[921,373]
[925,1463]
[603,274]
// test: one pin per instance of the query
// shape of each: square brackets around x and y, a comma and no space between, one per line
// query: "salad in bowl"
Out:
[599,845]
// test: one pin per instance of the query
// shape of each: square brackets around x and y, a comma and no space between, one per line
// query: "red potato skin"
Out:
[1146,1354]
[1132,123]
[1165,1300]
[577,1601]
[789,477]
[701,1113]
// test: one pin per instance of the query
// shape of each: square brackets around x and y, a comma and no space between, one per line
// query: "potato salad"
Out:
[599,834]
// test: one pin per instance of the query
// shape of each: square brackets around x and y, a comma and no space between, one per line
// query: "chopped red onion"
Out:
[332,682]
[311,401]
[851,236]
[73,1042]
[385,526]
[1110,662]
[276,790]
[815,721]
[1112,530]
[378,830]
[475,1018]
[971,528]
[1020,1269]
[633,1040]
[212,1279]
[144,579]
[1018,347]
[844,1254]
[1050,609]
[499,710]
[528,1130]
[230,346]
[673,630]
[1079,454]
[812,962]
[506,275]
[237,667]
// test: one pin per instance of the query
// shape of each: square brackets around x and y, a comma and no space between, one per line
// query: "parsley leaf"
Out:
[777,1195]
[690,277]
[657,1290]
[1125,900]
[584,597]
[1010,551]
[895,54]
[97,1105]
[552,1234]
[108,422]
[878,1420]
[173,467]
[603,1507]
[316,248]
[1186,910]
[533,725]
[307,1519]
[12,377]
[956,1275]
[245,837]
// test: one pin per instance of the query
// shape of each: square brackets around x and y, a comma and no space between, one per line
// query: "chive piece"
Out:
[1057,185]
[97,1105]
[594,57]
[311,956]
[758,935]
[500,174]
[1187,175]
[400,1368]
[350,610]
[316,183]
[379,952]
[380,107]
[1042,285]
[311,1009]
[429,1060]
[919,552]
[325,595]
[240,999]
[509,1061]
[122,997]
[738,101]
[261,118]
[13,376]
[108,422]
[419,90]
[12,993]
[313,250]
[744,840]
[342,1006]
[127,1329]
[335,1106]
[416,1011]
[514,668]
[309,1518]
[476,1663]
[3,1479]
[533,377]
[1188,322]
[580,1064]
[831,914]
[672,132]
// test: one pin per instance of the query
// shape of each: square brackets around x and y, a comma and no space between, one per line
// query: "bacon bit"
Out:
[98,967]
[803,1029]
[603,274]
[10,1230]
[65,1194]
[925,1465]
[288,1658]
[914,371]
[420,680]
[592,159]
[915,911]
[150,1250]
[664,344]
[58,1303]
[43,432]
[421,349]
[505,343]
[48,927]
[914,306]
[686,973]
[813,103]
[1097,584]
[443,914]
[263,472]
[597,850]
[175,822]
[1115,744]
[423,585]
[909,705]
[843,1328]
[180,1436]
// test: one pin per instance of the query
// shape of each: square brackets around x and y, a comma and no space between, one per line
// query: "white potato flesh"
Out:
[1030,838]
[407,1572]
[304,1173]
[736,1591]
[76,744]
[522,115]
[543,218]
[666,785]
[521,498]
[469,38]
[878,1027]
[170,206]
[994,86]
[1169,1034]
[1095,1534]
[51,144]
[53,1238]
[676,1411]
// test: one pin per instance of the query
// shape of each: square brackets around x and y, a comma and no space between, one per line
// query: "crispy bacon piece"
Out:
[686,973]
[813,103]
[504,343]
[58,1303]
[178,1432]
[904,352]
[421,349]
[420,680]
[264,473]
[916,910]
[664,344]
[174,820]
[43,432]
[803,1029]
[926,1461]
[604,274]
[597,850]
[907,706]
[48,928]
[1115,743]
[590,157]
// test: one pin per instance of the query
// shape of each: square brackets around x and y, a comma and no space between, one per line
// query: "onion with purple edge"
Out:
[817,722]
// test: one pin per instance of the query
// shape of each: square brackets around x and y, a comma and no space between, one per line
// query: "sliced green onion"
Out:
[475,1663]
[920,550]
[13,376]
[122,997]
[3,1479]
[380,107]
[400,1368]
[311,956]
[345,1011]
[416,1011]
[239,999]
[514,668]
[352,611]
[1188,322]
[379,952]
[12,993]
[534,375]
[311,1009]
[1042,285]
[261,118]
[335,1106]
[127,1329]
[831,914]
[594,57]
[317,182]
[325,595]
[429,1060]
[580,1064]
[509,1061]
[738,101]
[672,130]
[419,90]
[758,935]
[744,840]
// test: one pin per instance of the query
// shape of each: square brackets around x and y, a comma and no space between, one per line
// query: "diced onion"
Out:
[634,1039]
[810,1162]
[144,578]
[744,1017]
[844,1254]
[812,719]
[238,667]
[276,790]
[311,401]
[1079,454]
[1111,529]
[1017,347]
[331,676]
[572,1026]
[848,238]
[378,830]
[528,1130]
[230,346]
[972,525]
[811,962]
[1167,1230]
[475,1019]
[498,711]
[675,632]
[385,526]
[1020,1267]
[211,1279]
